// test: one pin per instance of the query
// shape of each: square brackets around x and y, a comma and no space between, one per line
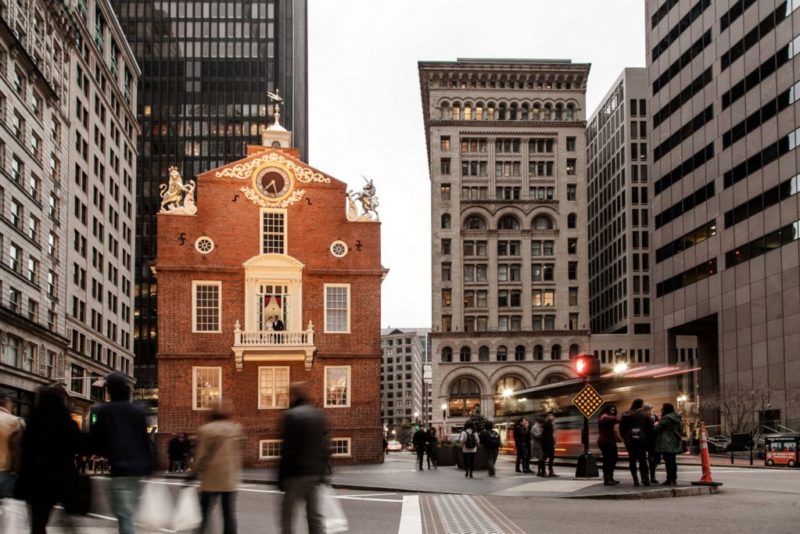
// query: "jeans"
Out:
[297,489]
[548,457]
[637,461]
[610,458]
[491,458]
[469,463]
[207,499]
[7,482]
[653,459]
[671,465]
[124,499]
[522,458]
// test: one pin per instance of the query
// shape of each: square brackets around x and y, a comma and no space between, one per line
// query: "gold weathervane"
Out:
[276,99]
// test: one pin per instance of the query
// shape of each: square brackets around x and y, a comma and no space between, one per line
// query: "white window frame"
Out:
[347,454]
[285,229]
[195,284]
[263,442]
[349,387]
[288,382]
[194,385]
[325,308]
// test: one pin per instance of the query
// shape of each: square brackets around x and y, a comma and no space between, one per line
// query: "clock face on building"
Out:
[273,183]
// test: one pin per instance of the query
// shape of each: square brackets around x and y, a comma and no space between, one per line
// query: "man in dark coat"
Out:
[420,442]
[633,427]
[120,434]
[521,441]
[304,459]
[548,440]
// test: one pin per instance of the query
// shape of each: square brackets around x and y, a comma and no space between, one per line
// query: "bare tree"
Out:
[739,406]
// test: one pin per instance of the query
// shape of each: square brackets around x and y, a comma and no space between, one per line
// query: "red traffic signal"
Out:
[584,365]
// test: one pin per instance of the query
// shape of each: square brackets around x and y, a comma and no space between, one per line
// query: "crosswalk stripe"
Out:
[410,517]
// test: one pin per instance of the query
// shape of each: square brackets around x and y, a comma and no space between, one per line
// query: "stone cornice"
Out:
[466,336]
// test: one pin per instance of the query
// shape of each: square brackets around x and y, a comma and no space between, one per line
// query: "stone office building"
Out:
[402,384]
[507,156]
[269,239]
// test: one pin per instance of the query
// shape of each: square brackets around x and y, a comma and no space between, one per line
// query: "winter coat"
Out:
[536,441]
[304,449]
[605,427]
[521,436]
[668,434]
[630,421]
[548,438]
[462,439]
[11,429]
[219,457]
[420,439]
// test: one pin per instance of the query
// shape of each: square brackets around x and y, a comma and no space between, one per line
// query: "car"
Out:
[719,444]
[394,445]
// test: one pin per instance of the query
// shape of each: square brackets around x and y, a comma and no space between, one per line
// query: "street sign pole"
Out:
[587,465]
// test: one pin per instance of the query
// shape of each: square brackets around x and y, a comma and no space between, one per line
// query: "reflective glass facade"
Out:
[206,68]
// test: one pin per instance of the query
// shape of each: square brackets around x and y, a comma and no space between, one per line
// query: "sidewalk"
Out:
[398,473]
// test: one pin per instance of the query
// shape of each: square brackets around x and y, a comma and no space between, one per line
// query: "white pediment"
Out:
[274,266]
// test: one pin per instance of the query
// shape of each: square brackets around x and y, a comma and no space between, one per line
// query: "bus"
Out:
[782,450]
[654,384]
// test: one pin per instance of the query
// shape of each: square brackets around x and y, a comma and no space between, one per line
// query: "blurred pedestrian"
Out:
[521,438]
[548,440]
[469,447]
[304,457]
[176,452]
[653,456]
[420,442]
[669,441]
[490,439]
[633,429]
[218,464]
[432,449]
[11,429]
[120,434]
[536,445]
[48,474]
[607,442]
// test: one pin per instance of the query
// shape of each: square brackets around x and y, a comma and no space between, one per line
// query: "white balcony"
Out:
[273,346]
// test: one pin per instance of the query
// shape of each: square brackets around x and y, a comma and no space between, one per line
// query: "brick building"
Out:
[271,237]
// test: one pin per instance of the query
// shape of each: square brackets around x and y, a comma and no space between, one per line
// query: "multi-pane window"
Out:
[337,386]
[340,447]
[206,306]
[273,387]
[206,386]
[14,257]
[337,308]
[269,449]
[273,232]
[544,297]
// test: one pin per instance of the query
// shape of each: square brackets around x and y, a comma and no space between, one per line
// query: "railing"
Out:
[282,338]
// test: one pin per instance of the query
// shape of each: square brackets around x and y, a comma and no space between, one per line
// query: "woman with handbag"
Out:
[48,475]
[669,441]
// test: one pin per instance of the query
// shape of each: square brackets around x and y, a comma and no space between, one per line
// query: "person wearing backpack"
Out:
[633,429]
[521,438]
[469,447]
[490,440]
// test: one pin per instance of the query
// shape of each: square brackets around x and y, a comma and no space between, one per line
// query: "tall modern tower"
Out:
[206,69]
[724,215]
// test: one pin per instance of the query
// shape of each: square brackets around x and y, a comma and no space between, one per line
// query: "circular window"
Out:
[204,245]
[339,249]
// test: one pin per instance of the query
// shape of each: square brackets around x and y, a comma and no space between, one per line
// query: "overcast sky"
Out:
[365,109]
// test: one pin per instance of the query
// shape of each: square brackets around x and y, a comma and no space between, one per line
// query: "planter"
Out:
[446,455]
[480,459]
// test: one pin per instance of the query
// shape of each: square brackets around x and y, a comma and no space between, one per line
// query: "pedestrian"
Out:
[607,442]
[11,429]
[385,446]
[548,440]
[669,442]
[490,439]
[120,434]
[48,474]
[653,456]
[176,451]
[420,442]
[536,445]
[633,429]
[521,437]
[469,447]
[218,464]
[432,449]
[304,457]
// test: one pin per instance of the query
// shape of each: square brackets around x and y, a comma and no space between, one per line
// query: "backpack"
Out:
[471,442]
[636,434]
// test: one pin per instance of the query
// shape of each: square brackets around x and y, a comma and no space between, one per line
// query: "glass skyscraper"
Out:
[206,69]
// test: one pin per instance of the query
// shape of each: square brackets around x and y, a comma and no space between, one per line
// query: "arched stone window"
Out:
[513,114]
[558,113]
[491,109]
[536,112]
[546,112]
[542,222]
[572,220]
[464,396]
[525,112]
[502,112]
[519,353]
[538,353]
[508,222]
[570,115]
[474,222]
[483,354]
[555,352]
[502,353]
[447,354]
[503,390]
[465,355]
[467,113]
[574,350]
[445,221]
[455,113]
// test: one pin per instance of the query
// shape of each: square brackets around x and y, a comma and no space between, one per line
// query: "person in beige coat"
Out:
[218,464]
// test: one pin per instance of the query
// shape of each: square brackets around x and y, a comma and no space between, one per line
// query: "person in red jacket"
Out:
[607,442]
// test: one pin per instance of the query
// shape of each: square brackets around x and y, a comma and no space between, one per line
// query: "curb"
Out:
[689,491]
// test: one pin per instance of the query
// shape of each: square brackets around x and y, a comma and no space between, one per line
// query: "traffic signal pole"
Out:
[587,465]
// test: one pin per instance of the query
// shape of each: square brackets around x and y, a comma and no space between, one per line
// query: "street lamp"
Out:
[620,367]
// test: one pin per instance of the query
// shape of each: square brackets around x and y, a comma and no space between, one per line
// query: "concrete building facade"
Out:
[725,214]
[402,384]
[507,157]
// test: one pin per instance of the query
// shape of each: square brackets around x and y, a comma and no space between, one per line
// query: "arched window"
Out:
[502,353]
[474,222]
[502,112]
[555,352]
[542,222]
[464,396]
[513,115]
[445,221]
[546,113]
[479,115]
[444,111]
[525,112]
[552,379]
[447,354]
[519,353]
[536,112]
[574,350]
[538,353]
[483,354]
[558,114]
[570,112]
[467,113]
[455,114]
[572,220]
[465,355]
[508,222]
[505,387]
[490,111]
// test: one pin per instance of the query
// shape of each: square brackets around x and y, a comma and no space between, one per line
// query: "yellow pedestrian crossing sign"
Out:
[588,401]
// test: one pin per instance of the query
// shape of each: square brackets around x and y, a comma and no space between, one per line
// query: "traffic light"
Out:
[584,365]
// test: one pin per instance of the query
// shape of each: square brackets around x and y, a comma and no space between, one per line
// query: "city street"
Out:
[751,499]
